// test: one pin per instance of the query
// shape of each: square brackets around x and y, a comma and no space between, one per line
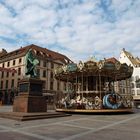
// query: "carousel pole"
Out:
[76,85]
[96,83]
[106,81]
[58,94]
[82,87]
[126,86]
[86,84]
[100,84]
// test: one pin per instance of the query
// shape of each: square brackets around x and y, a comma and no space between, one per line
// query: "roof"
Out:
[110,67]
[2,52]
[39,51]
[112,59]
[134,61]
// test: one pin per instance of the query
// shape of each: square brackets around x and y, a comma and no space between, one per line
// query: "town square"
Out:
[69,70]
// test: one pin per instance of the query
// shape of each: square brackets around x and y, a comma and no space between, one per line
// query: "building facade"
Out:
[129,59]
[48,61]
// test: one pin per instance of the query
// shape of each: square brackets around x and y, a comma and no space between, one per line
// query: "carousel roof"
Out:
[108,67]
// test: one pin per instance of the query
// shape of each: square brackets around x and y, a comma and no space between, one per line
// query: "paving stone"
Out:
[75,127]
[56,131]
[16,136]
[110,134]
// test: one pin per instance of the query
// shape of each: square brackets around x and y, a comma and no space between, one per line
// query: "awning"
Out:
[8,70]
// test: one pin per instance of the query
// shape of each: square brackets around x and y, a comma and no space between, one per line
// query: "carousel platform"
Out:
[129,110]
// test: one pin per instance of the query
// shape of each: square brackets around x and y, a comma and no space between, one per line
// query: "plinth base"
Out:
[28,103]
[20,116]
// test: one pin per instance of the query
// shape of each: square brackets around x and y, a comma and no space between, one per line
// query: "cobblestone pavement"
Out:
[75,127]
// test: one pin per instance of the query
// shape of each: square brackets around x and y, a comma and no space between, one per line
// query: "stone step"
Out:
[31,116]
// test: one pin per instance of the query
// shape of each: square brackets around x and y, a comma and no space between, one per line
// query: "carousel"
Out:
[95,86]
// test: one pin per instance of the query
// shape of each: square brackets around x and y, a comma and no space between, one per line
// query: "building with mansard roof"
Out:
[12,69]
[128,58]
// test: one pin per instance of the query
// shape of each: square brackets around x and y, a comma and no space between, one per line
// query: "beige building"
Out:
[129,59]
[15,60]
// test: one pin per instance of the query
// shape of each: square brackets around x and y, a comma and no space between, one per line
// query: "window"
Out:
[52,65]
[2,74]
[51,85]
[6,85]
[20,60]
[138,92]
[1,86]
[19,71]
[14,62]
[52,75]
[137,77]
[13,74]
[18,82]
[8,64]
[3,65]
[132,85]
[38,53]
[38,72]
[138,85]
[44,64]
[7,75]
[12,83]
[44,73]
[133,92]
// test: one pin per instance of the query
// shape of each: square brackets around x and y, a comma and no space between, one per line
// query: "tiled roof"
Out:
[2,52]
[134,61]
[39,51]
[112,59]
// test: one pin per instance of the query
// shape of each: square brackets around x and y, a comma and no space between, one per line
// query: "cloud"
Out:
[77,28]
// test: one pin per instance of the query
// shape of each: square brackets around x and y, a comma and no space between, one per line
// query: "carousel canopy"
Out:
[107,67]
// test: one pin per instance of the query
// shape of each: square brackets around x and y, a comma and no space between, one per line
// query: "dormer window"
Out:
[38,53]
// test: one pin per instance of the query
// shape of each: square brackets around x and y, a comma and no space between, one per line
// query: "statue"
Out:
[31,62]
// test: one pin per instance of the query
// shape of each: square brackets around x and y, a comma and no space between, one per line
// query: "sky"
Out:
[77,28]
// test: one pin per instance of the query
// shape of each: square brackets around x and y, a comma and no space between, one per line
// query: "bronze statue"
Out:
[31,63]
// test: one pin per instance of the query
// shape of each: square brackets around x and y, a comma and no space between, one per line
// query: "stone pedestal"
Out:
[30,98]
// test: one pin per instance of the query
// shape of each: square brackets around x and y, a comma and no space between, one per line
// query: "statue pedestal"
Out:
[30,98]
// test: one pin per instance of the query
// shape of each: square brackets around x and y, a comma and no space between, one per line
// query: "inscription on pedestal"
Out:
[36,87]
[24,87]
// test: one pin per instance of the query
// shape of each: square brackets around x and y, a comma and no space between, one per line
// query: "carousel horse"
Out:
[112,101]
[98,103]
